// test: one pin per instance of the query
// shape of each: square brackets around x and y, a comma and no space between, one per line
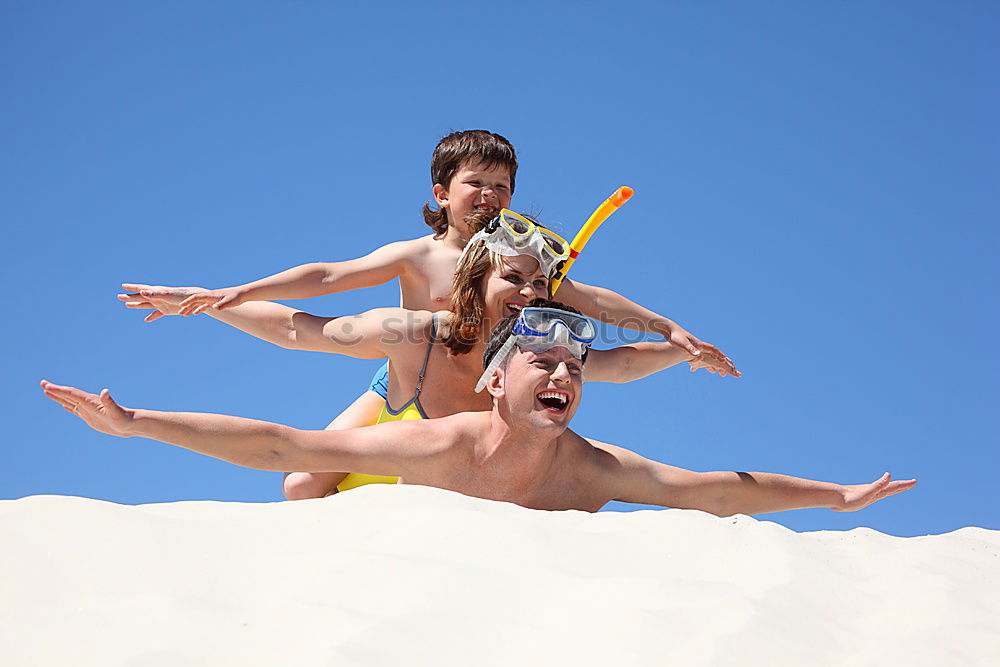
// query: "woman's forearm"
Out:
[268,321]
[633,362]
[612,308]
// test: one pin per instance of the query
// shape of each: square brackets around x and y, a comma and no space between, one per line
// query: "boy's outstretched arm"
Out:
[610,307]
[633,362]
[309,280]
[258,444]
[639,480]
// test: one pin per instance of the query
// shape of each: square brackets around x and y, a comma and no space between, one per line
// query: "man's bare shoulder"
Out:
[466,423]
[450,435]
[613,456]
[596,458]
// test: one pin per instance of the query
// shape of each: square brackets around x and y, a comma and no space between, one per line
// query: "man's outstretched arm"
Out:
[639,480]
[258,444]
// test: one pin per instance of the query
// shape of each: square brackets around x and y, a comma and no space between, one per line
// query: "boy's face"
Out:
[474,187]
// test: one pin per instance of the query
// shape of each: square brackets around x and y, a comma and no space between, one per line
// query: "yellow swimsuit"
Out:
[411,410]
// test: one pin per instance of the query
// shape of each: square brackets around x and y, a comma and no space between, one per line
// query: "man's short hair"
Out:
[502,331]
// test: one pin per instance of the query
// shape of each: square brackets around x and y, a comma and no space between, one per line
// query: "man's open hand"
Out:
[857,496]
[100,412]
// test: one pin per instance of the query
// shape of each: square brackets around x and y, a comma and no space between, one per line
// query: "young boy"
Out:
[472,171]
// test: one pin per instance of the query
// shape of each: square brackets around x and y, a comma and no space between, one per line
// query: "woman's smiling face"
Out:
[509,287]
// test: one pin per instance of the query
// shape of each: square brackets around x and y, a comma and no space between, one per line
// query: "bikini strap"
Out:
[427,356]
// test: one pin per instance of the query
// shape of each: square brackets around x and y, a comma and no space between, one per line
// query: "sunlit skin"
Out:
[424,267]
[506,288]
[376,333]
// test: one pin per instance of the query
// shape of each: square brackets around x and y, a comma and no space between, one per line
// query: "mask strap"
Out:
[496,362]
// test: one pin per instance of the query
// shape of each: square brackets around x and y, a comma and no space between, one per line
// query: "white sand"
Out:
[411,575]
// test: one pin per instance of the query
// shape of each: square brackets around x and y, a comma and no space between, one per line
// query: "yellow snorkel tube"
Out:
[610,205]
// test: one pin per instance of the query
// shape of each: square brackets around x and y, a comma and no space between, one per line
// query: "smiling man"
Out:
[521,451]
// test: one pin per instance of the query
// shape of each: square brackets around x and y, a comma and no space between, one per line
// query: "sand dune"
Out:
[412,575]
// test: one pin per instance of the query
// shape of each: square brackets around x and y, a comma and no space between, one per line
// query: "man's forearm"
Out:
[728,493]
[245,442]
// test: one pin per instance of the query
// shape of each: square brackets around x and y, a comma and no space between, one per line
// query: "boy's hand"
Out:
[161,300]
[857,496]
[219,299]
[712,359]
[101,413]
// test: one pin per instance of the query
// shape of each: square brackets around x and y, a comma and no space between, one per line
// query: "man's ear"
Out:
[495,384]
[440,195]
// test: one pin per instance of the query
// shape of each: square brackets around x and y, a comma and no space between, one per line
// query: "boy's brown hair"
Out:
[474,147]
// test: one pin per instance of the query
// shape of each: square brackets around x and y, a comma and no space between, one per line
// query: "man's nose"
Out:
[561,373]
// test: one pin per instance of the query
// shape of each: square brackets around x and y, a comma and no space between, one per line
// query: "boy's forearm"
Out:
[245,442]
[728,493]
[318,278]
[300,282]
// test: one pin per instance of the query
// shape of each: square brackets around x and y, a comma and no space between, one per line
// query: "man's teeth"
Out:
[553,395]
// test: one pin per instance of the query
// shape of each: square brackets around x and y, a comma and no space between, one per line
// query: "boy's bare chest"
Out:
[429,286]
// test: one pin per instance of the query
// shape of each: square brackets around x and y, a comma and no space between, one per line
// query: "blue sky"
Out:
[816,188]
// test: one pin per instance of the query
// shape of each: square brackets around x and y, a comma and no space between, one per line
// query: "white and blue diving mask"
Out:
[511,234]
[540,329]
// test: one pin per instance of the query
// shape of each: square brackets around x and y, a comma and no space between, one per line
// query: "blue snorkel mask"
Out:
[541,329]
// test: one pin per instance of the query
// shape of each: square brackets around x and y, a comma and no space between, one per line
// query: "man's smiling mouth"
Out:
[553,400]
